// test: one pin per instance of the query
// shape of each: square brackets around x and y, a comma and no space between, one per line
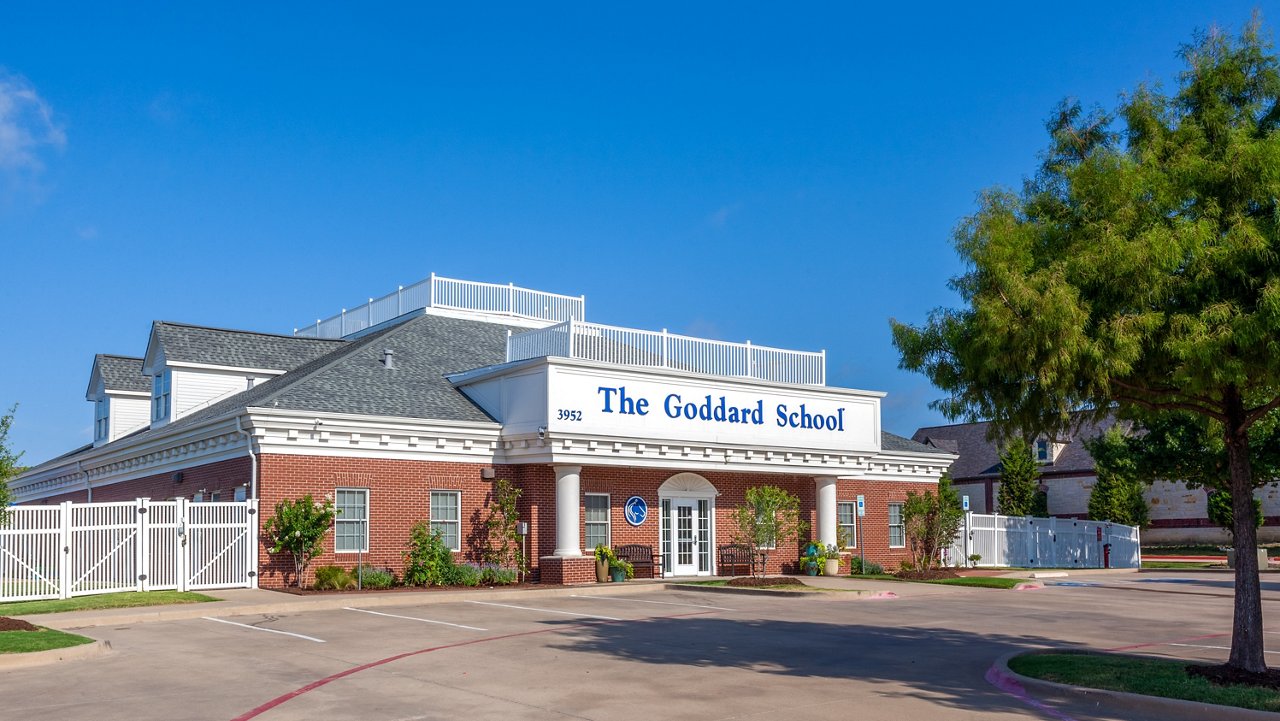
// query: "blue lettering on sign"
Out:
[636,510]
[717,409]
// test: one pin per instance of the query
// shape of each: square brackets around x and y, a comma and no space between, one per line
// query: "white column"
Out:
[568,503]
[826,492]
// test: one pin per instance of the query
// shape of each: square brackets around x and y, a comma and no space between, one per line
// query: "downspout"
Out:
[88,487]
[253,459]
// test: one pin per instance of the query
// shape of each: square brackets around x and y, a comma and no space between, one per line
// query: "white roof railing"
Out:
[451,294]
[628,346]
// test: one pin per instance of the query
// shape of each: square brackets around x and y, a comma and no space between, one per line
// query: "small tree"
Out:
[502,543]
[1220,511]
[1118,496]
[298,528]
[769,516]
[1018,481]
[8,464]
[932,521]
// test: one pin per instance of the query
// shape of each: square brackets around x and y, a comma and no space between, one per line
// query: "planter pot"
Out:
[618,575]
[1262,558]
[811,568]
[602,571]
[832,568]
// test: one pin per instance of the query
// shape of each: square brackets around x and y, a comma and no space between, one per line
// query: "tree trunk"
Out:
[1246,629]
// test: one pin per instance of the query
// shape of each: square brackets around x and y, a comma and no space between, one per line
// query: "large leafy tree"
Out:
[1138,271]
[8,463]
[1019,481]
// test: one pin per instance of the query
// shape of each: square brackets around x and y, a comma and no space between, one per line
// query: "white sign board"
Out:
[692,411]
[862,506]
[965,500]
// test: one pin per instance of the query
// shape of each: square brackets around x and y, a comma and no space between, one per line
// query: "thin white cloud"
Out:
[722,215]
[28,129]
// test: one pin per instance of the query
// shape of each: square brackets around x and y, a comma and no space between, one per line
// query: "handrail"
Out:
[452,294]
[661,349]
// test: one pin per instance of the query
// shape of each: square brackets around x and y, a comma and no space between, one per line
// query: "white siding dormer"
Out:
[198,388]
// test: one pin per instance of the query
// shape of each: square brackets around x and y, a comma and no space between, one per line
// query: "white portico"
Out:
[572,414]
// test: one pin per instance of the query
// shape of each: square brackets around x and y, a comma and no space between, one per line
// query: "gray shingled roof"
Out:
[352,378]
[980,458]
[238,348]
[122,373]
[891,443]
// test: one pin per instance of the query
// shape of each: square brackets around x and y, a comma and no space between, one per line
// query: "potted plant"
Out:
[620,570]
[814,558]
[832,565]
[604,559]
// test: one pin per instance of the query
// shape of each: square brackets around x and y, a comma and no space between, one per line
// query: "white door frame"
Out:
[687,489]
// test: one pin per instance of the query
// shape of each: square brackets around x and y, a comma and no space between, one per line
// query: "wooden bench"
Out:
[737,559]
[640,557]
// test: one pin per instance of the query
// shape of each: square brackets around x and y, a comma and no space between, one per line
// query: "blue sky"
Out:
[738,171]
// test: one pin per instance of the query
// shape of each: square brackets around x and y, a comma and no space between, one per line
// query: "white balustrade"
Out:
[654,349]
[452,294]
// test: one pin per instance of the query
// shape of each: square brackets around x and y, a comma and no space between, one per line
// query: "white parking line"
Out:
[259,628]
[546,610]
[414,618]
[1220,648]
[640,600]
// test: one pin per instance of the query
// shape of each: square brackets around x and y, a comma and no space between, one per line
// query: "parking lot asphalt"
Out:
[662,653]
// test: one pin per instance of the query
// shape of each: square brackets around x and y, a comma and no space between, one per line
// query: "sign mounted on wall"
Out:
[636,510]
[717,411]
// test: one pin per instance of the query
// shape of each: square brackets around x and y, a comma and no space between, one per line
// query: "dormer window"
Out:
[161,387]
[101,419]
[1043,451]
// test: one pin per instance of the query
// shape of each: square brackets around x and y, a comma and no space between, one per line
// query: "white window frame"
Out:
[608,520]
[1042,445]
[456,522]
[900,524]
[339,520]
[852,526]
[161,395]
[102,419]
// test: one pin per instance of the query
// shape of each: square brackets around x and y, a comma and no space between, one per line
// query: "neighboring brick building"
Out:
[407,409]
[1178,514]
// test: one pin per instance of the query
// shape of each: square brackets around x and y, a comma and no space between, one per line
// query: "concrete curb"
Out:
[289,603]
[747,591]
[1169,709]
[11,661]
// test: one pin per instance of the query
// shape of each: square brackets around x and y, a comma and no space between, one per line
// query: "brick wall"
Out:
[222,477]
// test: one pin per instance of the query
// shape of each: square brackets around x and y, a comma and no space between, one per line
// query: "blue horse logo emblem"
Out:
[636,510]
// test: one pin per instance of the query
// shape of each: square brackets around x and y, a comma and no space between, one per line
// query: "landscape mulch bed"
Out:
[931,575]
[397,589]
[1226,676]
[750,582]
[13,624]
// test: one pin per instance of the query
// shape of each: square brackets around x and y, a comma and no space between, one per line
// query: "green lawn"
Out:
[1197,550]
[128,599]
[1148,676]
[1175,564]
[973,581]
[42,640]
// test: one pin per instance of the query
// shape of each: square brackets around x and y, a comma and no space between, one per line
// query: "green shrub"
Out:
[856,566]
[428,560]
[492,575]
[373,577]
[334,578]
[463,574]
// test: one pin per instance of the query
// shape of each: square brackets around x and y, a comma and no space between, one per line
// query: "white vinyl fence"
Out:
[78,549]
[1029,542]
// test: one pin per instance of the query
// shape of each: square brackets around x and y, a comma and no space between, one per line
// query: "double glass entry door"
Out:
[686,536]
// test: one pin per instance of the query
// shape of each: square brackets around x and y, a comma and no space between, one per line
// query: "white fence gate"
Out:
[1029,542]
[78,549]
